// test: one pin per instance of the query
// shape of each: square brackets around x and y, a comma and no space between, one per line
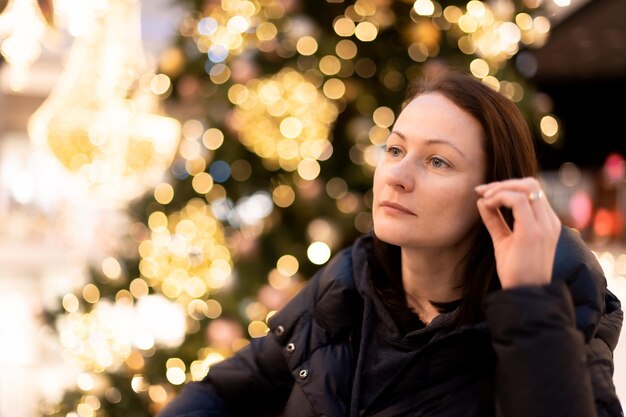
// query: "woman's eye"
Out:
[438,162]
[394,151]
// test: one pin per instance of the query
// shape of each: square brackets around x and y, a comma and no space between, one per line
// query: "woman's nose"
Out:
[399,177]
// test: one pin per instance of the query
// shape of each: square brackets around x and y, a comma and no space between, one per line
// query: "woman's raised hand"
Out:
[524,255]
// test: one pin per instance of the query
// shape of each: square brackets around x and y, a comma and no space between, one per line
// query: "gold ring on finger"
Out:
[535,195]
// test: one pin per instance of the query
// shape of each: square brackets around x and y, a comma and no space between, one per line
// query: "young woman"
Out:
[468,299]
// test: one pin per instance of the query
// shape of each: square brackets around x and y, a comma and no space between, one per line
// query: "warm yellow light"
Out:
[257,328]
[202,183]
[424,7]
[164,193]
[334,88]
[383,116]
[479,68]
[85,382]
[291,127]
[219,74]
[186,255]
[524,21]
[213,138]
[157,220]
[346,49]
[160,84]
[330,65]
[549,126]
[157,394]
[318,253]
[285,119]
[283,196]
[214,309]
[139,288]
[468,23]
[111,268]
[91,294]
[278,280]
[476,8]
[492,82]
[70,303]
[175,376]
[98,120]
[541,24]
[22,30]
[266,31]
[365,7]
[287,265]
[452,14]
[366,31]
[309,169]
[306,45]
[344,27]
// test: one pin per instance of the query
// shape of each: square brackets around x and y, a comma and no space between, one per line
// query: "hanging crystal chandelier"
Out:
[23,26]
[102,119]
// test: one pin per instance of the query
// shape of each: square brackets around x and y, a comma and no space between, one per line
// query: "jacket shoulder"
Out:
[575,264]
[329,296]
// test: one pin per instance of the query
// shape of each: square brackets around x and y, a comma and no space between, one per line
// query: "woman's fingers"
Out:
[518,202]
[526,184]
[493,220]
[523,196]
[535,230]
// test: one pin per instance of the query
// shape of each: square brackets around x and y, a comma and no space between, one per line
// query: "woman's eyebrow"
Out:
[432,142]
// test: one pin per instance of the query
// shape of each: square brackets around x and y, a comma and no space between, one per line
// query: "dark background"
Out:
[582,68]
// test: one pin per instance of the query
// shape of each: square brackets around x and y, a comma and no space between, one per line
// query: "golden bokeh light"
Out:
[366,31]
[111,268]
[157,220]
[213,138]
[344,27]
[424,7]
[334,88]
[187,257]
[266,31]
[479,68]
[101,122]
[164,193]
[549,126]
[306,45]
[91,293]
[139,288]
[383,116]
[202,183]
[287,265]
[318,253]
[284,119]
[346,49]
[70,303]
[283,196]
[330,65]
[257,328]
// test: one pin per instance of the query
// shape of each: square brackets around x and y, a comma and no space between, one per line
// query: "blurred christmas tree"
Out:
[284,107]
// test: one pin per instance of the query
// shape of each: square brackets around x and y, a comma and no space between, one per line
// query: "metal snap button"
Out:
[291,347]
[280,330]
[303,374]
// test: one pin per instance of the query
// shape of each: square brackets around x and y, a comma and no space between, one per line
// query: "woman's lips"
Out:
[395,207]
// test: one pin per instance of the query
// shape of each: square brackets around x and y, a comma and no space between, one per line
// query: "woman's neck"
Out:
[429,276]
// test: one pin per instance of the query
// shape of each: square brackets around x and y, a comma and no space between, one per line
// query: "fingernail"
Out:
[480,188]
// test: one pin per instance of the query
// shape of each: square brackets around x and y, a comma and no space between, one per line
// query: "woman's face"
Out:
[424,185]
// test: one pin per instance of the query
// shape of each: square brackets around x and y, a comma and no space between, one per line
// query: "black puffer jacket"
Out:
[333,351]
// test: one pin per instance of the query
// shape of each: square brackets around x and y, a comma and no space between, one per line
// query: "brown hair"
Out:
[510,153]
